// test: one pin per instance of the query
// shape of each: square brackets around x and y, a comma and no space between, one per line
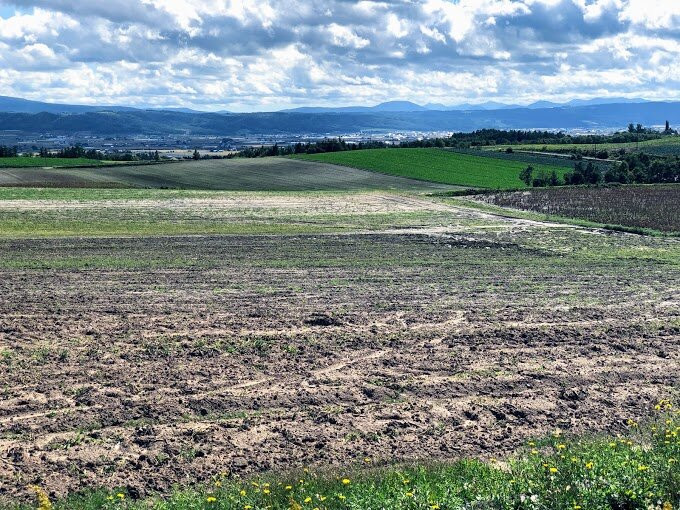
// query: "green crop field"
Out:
[262,174]
[667,144]
[25,162]
[436,165]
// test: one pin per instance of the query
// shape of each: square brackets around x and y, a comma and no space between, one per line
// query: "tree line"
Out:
[8,152]
[78,151]
[635,168]
[479,138]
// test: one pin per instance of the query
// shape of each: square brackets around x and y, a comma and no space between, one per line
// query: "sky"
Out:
[265,55]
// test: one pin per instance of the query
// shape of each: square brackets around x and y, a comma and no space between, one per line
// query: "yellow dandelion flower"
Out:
[345,481]
[266,491]
[553,470]
[43,499]
[308,499]
[341,497]
[643,468]
[243,492]
[289,487]
[534,452]
[120,495]
[561,446]
[218,483]
[409,494]
[589,465]
[211,499]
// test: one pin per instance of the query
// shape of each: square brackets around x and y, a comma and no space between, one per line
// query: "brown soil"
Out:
[276,352]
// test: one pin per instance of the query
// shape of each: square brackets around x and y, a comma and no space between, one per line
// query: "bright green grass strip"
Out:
[111,228]
[636,471]
[100,194]
[435,165]
[24,162]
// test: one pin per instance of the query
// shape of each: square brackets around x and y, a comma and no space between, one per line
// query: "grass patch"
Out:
[436,165]
[635,470]
[27,162]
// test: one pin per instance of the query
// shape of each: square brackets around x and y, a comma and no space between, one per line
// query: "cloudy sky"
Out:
[252,55]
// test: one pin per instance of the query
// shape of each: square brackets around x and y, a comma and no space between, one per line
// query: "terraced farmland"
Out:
[262,174]
[436,165]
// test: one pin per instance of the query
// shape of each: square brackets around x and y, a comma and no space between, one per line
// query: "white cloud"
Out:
[345,36]
[255,54]
[652,14]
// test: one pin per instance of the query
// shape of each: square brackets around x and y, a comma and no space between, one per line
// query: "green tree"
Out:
[527,175]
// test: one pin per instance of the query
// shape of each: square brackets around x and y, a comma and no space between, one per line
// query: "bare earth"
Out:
[148,361]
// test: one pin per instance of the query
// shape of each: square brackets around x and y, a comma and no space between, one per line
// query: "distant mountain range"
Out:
[18,105]
[407,106]
[24,116]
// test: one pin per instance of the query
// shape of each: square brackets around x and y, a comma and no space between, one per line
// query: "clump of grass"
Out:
[636,470]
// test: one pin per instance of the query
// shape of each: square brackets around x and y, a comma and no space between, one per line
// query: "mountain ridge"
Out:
[19,105]
[588,117]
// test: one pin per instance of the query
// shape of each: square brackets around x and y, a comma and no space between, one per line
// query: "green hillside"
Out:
[261,174]
[435,165]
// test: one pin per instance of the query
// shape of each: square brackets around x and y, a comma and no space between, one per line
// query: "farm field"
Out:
[24,162]
[655,207]
[666,146]
[537,160]
[51,212]
[402,327]
[262,174]
[436,165]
